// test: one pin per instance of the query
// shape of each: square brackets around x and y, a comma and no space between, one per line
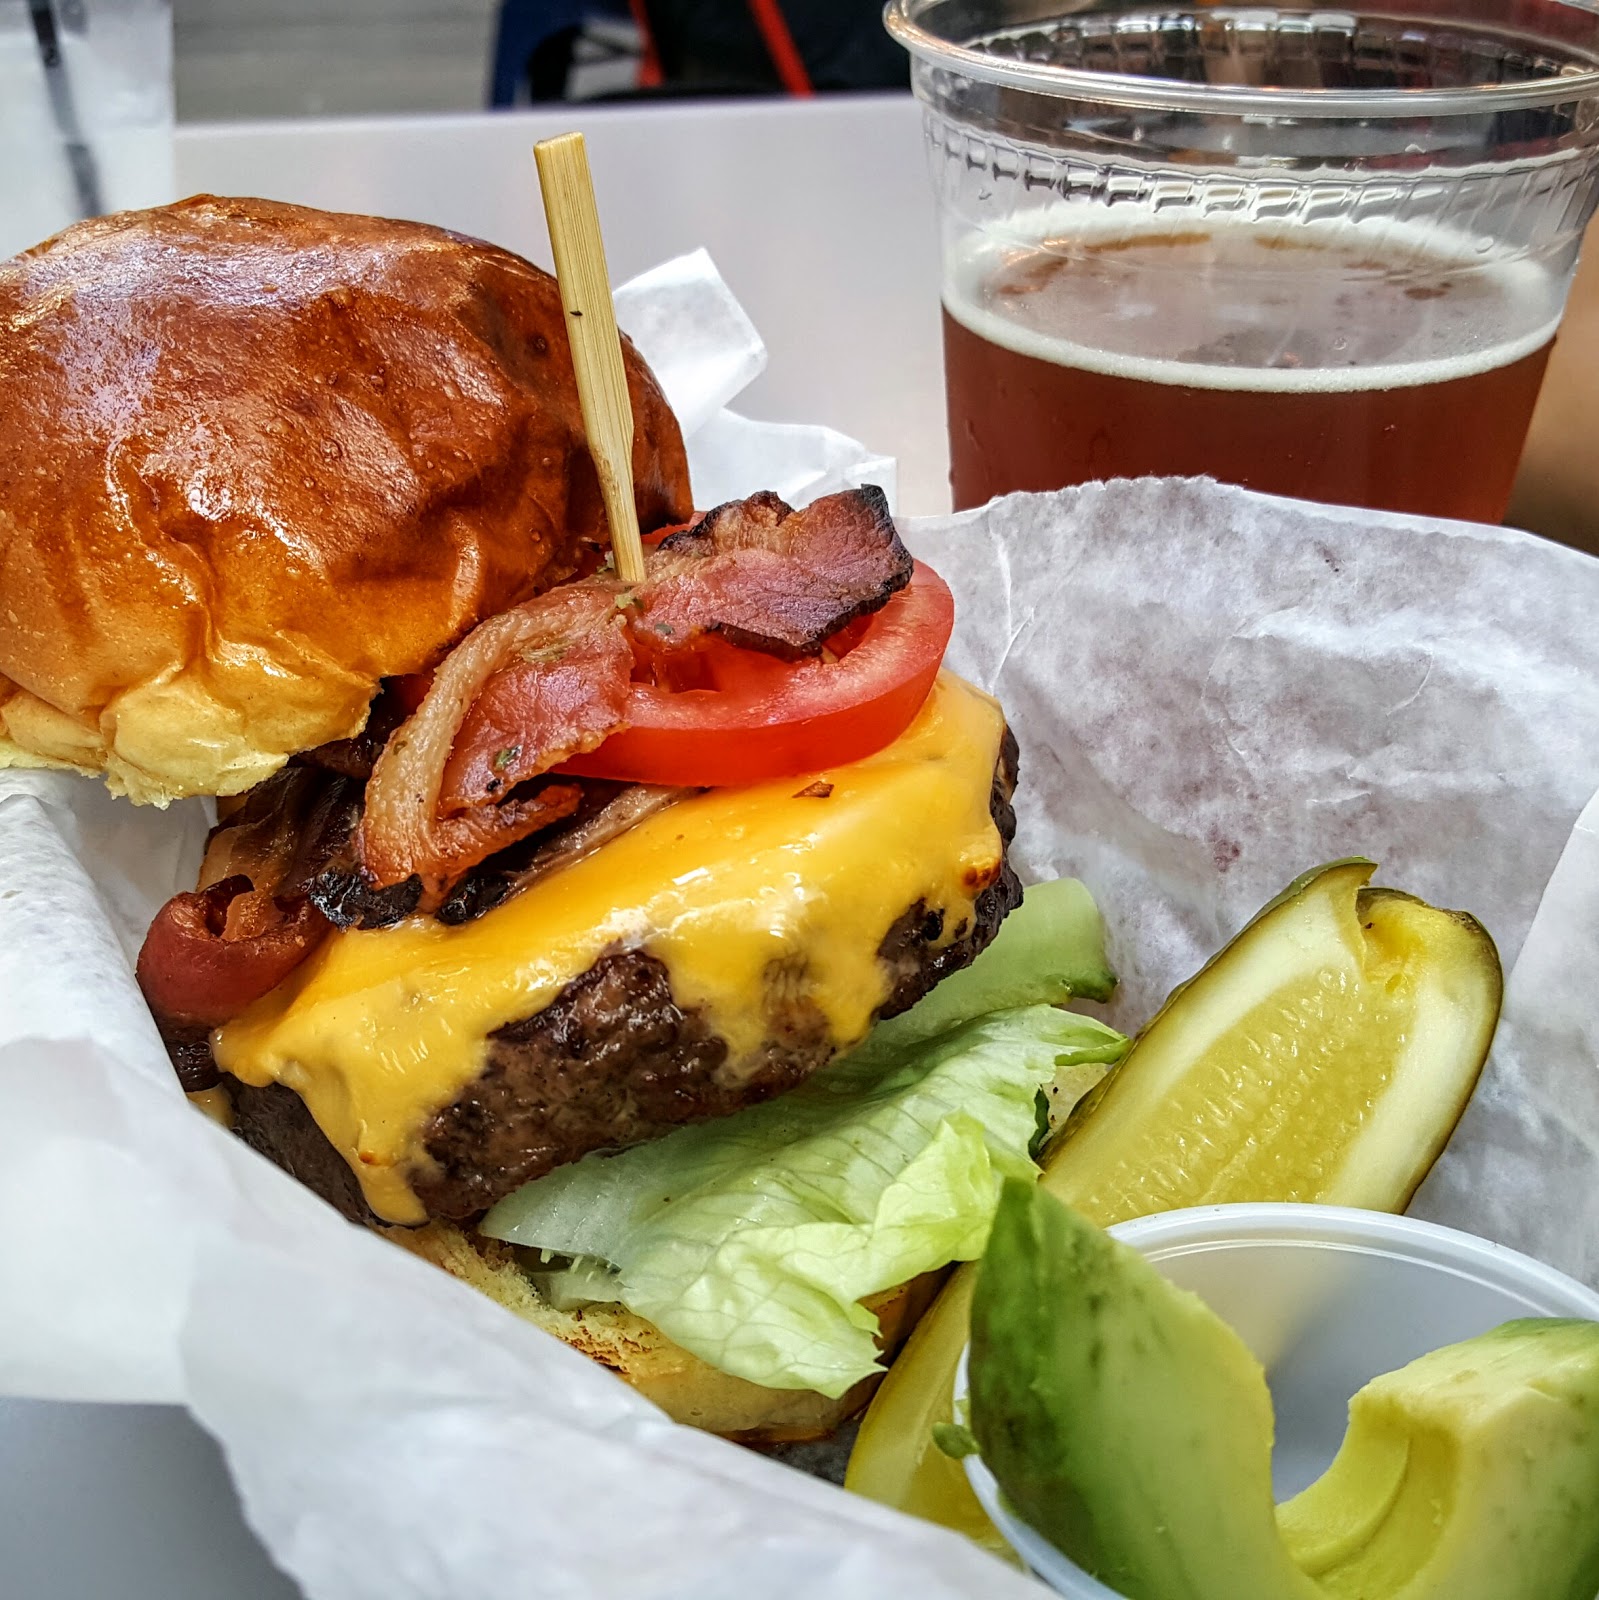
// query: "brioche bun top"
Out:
[255,458]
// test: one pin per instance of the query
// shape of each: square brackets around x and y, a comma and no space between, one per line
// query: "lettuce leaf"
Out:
[1049,950]
[751,1240]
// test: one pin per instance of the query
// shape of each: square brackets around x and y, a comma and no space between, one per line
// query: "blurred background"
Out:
[275,58]
[721,123]
[236,59]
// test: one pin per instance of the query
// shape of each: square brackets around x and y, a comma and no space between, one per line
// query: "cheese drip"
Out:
[378,1031]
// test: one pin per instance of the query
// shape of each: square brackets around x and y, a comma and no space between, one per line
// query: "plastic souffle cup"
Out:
[1327,1298]
[1321,253]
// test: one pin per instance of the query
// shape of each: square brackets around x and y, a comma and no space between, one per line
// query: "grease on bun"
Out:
[255,458]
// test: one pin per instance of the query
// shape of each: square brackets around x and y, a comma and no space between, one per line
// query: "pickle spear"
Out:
[1324,1055]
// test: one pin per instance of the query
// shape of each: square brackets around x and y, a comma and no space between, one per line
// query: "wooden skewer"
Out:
[591,330]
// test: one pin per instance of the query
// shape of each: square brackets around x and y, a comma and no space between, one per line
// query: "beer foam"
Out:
[1488,313]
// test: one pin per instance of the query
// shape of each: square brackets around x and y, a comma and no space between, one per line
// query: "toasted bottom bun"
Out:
[683,1386]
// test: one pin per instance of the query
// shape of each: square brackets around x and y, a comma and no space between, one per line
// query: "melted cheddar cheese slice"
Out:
[378,1031]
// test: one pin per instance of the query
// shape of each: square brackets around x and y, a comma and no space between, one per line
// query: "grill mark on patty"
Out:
[613,1060]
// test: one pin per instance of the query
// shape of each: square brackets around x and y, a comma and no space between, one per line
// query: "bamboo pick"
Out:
[591,329]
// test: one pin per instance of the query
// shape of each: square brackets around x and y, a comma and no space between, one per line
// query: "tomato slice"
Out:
[756,718]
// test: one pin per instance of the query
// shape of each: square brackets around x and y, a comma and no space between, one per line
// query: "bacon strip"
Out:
[572,661]
[773,579]
[209,954]
[549,680]
[284,832]
[537,712]
[592,826]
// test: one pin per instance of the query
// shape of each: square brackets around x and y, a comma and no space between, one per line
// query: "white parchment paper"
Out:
[704,350]
[1213,691]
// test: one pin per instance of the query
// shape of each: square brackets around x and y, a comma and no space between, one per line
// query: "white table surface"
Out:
[820,218]
[819,215]
[121,1503]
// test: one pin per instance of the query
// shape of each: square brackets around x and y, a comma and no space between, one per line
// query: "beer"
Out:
[1299,362]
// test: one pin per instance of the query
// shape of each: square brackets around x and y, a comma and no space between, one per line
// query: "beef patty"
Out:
[614,1060]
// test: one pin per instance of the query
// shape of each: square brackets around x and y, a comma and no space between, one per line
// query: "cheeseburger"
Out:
[545,917]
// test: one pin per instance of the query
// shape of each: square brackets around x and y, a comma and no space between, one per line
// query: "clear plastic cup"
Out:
[1319,253]
[1328,1299]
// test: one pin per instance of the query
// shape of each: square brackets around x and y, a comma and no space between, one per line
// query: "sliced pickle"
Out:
[1324,1055]
[895,1459]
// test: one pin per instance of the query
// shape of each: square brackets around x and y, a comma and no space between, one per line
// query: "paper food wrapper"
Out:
[705,350]
[1213,691]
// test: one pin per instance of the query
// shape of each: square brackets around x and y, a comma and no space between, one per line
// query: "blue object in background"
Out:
[525,27]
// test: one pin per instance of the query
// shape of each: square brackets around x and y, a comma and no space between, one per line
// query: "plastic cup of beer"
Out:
[1318,253]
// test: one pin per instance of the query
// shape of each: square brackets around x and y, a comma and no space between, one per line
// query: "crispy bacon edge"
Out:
[573,638]
[754,572]
[769,578]
[213,952]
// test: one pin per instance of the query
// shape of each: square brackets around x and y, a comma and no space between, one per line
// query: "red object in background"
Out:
[650,75]
[780,46]
[773,26]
